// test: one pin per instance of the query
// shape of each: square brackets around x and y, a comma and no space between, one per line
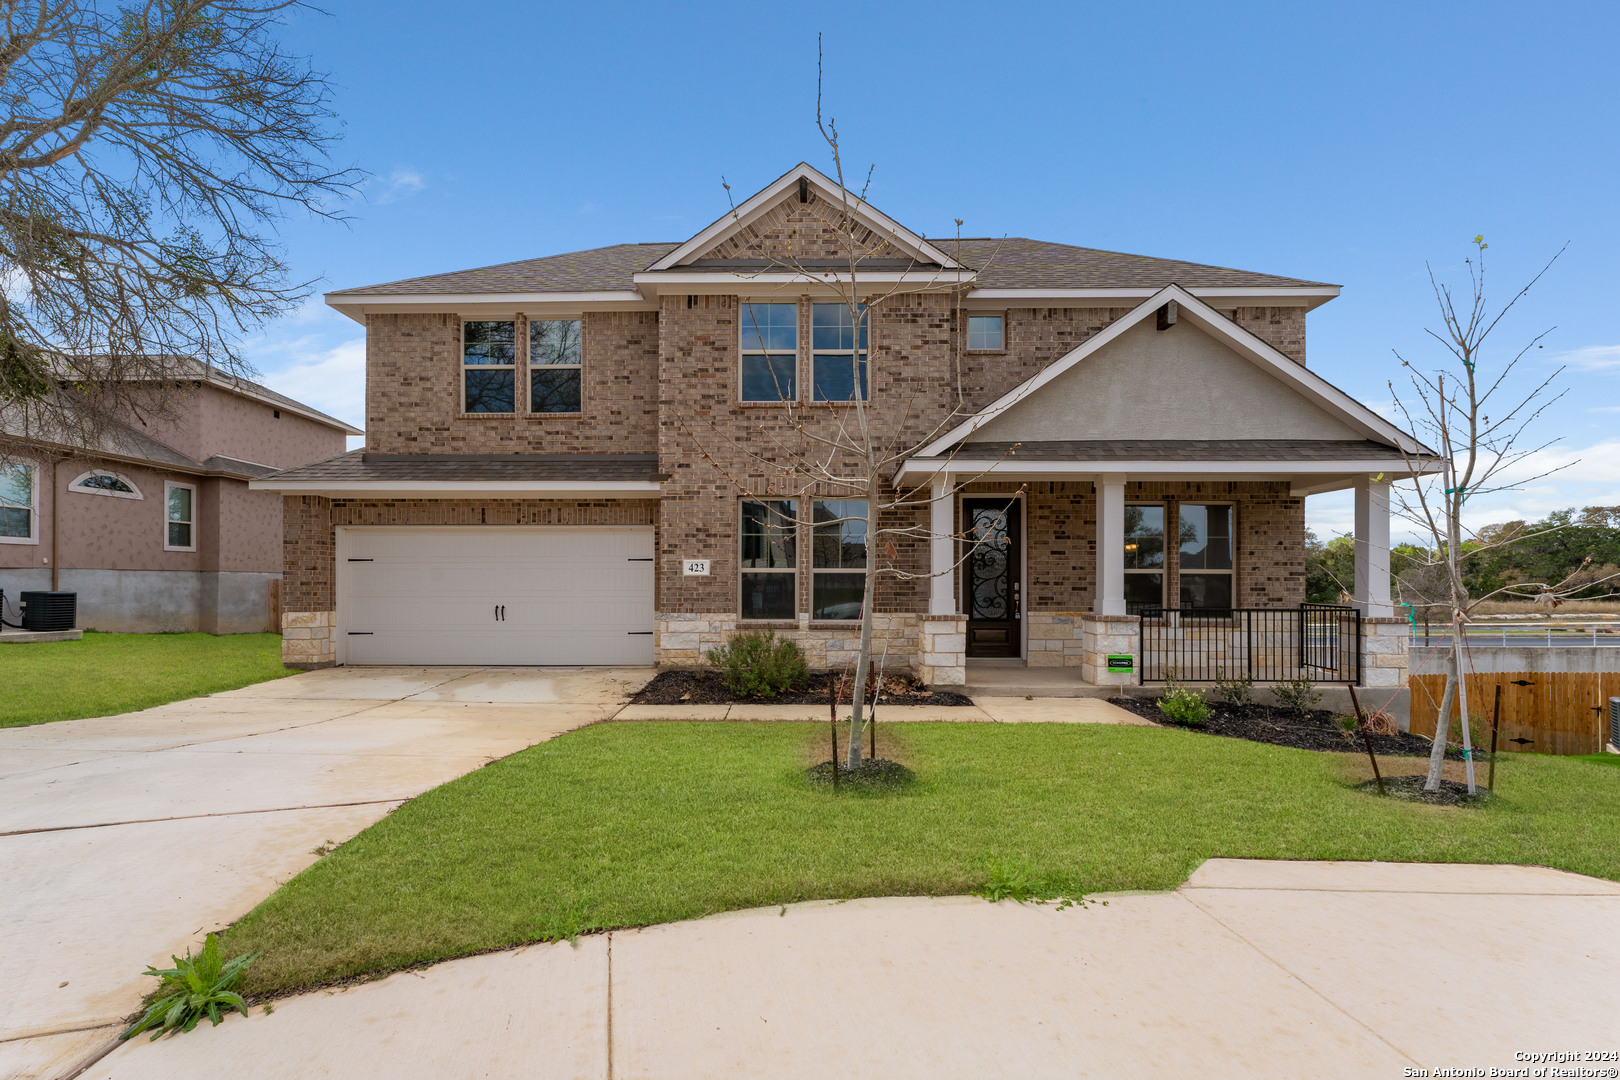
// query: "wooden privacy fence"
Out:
[1542,712]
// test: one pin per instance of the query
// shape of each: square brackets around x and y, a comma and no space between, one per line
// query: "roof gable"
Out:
[775,223]
[1357,420]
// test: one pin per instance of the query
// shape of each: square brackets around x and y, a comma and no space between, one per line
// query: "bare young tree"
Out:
[1479,445]
[845,450]
[146,153]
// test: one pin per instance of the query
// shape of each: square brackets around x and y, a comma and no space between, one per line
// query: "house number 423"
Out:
[696,568]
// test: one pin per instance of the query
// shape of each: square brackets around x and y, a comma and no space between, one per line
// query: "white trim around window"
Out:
[176,527]
[987,336]
[106,482]
[9,507]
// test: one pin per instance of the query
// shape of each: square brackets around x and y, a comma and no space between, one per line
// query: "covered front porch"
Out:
[1090,567]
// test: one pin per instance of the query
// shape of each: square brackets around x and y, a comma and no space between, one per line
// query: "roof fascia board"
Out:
[743,216]
[1162,469]
[1241,341]
[1273,295]
[457,489]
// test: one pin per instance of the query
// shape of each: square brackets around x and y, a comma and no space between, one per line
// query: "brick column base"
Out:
[1102,636]
[308,639]
[942,656]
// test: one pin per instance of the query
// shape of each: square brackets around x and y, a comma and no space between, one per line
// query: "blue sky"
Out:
[1348,143]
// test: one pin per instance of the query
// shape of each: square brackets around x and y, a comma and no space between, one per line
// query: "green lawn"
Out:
[104,674]
[629,824]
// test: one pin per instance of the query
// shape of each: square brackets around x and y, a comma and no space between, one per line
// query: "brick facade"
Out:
[413,390]
[667,381]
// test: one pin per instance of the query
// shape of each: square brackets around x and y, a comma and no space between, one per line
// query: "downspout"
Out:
[56,502]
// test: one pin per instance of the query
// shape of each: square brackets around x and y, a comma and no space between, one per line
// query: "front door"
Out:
[994,610]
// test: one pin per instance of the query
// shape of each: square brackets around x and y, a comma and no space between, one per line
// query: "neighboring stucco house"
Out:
[156,529]
[568,459]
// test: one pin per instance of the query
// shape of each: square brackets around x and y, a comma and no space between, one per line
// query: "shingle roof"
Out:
[595,270]
[1010,263]
[1184,450]
[1017,263]
[357,466]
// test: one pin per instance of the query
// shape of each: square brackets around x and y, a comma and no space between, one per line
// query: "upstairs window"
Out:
[180,527]
[985,333]
[106,483]
[836,356]
[554,366]
[770,352]
[17,504]
[1206,556]
[488,359]
[839,557]
[1144,558]
[770,561]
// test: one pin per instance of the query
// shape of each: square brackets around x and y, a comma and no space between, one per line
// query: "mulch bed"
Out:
[871,773]
[705,688]
[1410,789]
[1316,730]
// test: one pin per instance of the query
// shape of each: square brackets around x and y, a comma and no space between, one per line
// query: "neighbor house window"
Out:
[835,352]
[488,356]
[770,351]
[18,497]
[769,560]
[985,333]
[554,366]
[106,483]
[1144,558]
[838,570]
[1206,556]
[180,502]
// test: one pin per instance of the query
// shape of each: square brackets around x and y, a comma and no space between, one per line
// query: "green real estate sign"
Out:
[1121,662]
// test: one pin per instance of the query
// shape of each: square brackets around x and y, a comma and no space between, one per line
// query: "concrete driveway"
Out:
[125,839]
[1250,969]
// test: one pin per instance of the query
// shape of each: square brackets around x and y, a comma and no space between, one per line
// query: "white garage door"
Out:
[495,595]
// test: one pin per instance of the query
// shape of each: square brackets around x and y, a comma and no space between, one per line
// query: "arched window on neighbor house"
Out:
[101,482]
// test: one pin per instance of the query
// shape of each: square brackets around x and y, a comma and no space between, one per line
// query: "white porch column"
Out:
[1110,545]
[1372,548]
[942,547]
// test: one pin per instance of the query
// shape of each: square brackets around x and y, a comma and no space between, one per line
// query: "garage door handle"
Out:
[638,560]
[360,633]
[640,633]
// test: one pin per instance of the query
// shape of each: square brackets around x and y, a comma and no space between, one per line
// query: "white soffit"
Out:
[1309,384]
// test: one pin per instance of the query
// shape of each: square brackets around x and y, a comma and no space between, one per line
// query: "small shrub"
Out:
[197,986]
[1297,695]
[1237,690]
[1185,707]
[755,664]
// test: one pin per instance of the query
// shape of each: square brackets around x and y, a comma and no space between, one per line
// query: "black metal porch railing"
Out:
[1320,642]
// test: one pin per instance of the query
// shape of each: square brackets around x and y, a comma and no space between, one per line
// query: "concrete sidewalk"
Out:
[1250,969]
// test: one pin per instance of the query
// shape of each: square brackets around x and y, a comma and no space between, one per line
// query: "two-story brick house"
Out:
[576,459]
